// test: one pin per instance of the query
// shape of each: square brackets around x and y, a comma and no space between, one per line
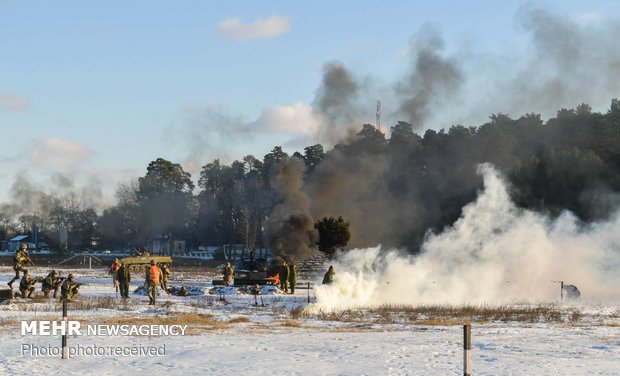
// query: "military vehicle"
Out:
[141,261]
[252,272]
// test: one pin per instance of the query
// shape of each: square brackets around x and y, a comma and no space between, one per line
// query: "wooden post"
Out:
[308,292]
[561,292]
[90,262]
[64,336]
[467,349]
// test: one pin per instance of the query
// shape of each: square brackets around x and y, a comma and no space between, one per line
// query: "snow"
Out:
[269,341]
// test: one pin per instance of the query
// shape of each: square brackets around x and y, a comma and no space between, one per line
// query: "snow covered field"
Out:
[236,337]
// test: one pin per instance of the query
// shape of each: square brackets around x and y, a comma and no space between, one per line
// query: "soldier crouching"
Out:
[51,282]
[26,285]
[69,289]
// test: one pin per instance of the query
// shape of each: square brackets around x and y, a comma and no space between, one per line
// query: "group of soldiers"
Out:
[52,282]
[288,276]
[156,276]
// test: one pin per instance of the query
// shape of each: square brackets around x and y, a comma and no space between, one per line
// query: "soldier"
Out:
[292,277]
[69,288]
[284,273]
[26,285]
[228,274]
[123,277]
[329,276]
[151,281]
[51,282]
[20,260]
[113,271]
[165,274]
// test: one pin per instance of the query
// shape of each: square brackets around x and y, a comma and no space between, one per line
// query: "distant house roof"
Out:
[19,238]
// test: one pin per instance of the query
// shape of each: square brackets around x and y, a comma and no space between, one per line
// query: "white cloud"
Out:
[260,28]
[298,118]
[588,18]
[13,102]
[58,155]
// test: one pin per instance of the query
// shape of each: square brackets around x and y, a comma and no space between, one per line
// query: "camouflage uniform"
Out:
[165,273]
[114,271]
[26,285]
[292,277]
[20,260]
[123,277]
[51,282]
[284,273]
[151,281]
[329,276]
[228,274]
[69,288]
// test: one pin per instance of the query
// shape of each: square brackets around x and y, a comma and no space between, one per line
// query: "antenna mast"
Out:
[378,124]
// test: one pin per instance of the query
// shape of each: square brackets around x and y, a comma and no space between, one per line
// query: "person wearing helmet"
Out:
[26,285]
[152,280]
[51,282]
[20,261]
[69,288]
[228,274]
[124,277]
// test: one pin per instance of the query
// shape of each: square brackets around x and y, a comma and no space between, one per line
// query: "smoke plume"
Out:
[495,253]
[432,79]
[291,231]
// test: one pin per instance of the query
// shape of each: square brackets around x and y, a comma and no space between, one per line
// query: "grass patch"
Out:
[444,315]
[238,319]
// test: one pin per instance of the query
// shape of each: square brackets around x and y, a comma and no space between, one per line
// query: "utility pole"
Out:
[378,123]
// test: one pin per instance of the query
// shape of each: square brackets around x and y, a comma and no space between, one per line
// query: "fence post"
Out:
[467,349]
[64,335]
[308,292]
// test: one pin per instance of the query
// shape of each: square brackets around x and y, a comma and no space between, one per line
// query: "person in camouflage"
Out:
[292,277]
[113,272]
[20,260]
[165,274]
[152,281]
[69,288]
[228,274]
[26,285]
[284,273]
[328,278]
[123,277]
[51,282]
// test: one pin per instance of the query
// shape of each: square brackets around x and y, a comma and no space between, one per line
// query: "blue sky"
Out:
[95,91]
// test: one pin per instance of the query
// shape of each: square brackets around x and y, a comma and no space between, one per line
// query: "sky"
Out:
[91,92]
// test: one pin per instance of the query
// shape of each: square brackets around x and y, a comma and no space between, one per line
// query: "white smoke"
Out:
[495,253]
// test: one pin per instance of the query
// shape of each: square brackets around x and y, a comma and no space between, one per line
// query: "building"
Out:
[166,245]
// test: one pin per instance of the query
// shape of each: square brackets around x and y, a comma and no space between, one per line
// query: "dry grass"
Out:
[291,323]
[238,319]
[444,315]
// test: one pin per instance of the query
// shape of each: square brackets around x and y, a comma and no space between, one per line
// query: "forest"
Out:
[391,190]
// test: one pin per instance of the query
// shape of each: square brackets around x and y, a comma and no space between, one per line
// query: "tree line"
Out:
[391,191]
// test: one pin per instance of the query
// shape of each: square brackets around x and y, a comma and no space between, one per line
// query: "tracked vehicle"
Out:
[139,262]
[250,273]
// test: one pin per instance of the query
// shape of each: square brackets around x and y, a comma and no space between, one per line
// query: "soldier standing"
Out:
[20,260]
[113,271]
[328,278]
[51,282]
[284,273]
[292,277]
[69,288]
[151,281]
[228,274]
[165,273]
[26,285]
[123,277]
